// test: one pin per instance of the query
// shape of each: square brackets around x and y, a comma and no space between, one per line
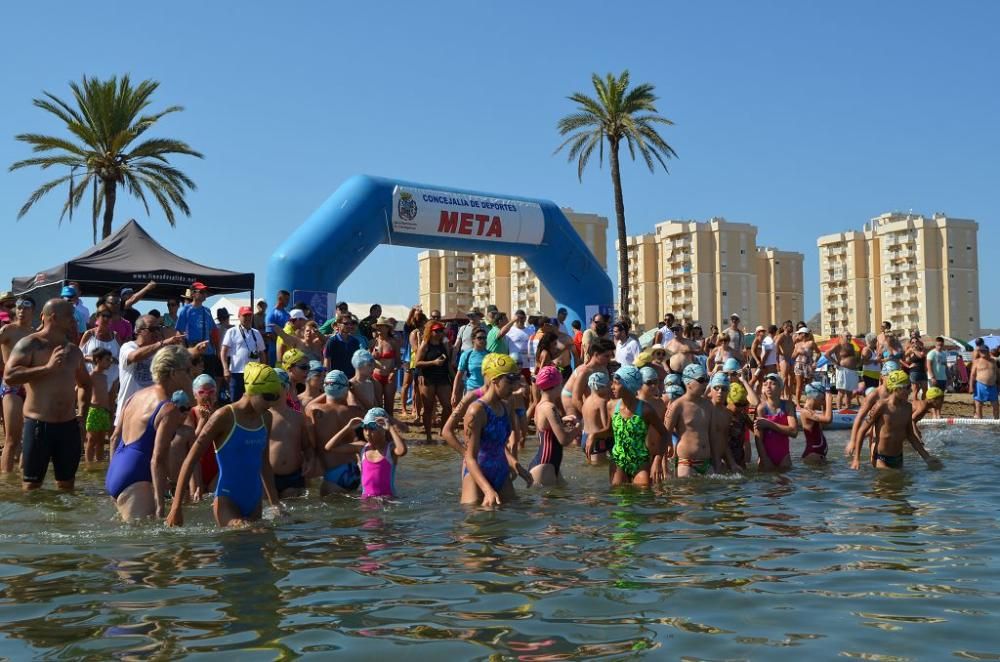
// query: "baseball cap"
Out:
[759,329]
[198,285]
[776,378]
[127,291]
[734,315]
[296,314]
[246,310]
[67,291]
[260,301]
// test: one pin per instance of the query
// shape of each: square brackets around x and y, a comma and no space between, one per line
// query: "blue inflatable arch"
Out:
[367,211]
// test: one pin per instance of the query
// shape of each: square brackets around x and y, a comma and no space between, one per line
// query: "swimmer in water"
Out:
[599,354]
[740,397]
[649,393]
[325,417]
[239,434]
[722,420]
[892,420]
[289,451]
[690,418]
[314,383]
[775,426]
[871,398]
[554,429]
[597,436]
[366,393]
[636,428]
[380,449]
[817,412]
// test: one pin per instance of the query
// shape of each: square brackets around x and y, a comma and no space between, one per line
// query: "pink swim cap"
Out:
[548,377]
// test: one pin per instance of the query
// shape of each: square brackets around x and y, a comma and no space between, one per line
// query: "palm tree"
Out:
[617,114]
[105,123]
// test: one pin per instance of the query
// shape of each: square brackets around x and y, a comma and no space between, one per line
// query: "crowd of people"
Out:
[186,404]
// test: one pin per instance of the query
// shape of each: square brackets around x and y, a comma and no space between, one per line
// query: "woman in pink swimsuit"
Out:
[775,425]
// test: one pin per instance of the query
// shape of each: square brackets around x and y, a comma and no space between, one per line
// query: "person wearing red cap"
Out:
[195,321]
[241,345]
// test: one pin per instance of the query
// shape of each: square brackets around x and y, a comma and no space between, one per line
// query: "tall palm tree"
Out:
[105,123]
[617,114]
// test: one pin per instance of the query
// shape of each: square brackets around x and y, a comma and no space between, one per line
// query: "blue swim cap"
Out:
[814,390]
[731,365]
[286,381]
[649,375]
[630,378]
[316,368]
[693,372]
[675,391]
[673,379]
[889,366]
[203,381]
[335,384]
[361,357]
[373,415]
[719,379]
[598,380]
[180,399]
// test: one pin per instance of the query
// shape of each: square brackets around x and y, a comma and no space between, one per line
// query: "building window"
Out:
[724,294]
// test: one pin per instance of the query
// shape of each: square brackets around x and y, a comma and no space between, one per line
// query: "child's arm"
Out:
[914,438]
[866,425]
[308,448]
[758,437]
[399,448]
[344,435]
[266,473]
[827,416]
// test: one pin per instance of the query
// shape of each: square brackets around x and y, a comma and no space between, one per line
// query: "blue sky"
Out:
[802,118]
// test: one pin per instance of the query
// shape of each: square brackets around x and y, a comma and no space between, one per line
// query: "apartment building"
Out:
[917,273]
[505,281]
[706,271]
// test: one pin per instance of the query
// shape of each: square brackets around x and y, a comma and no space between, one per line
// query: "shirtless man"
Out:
[325,416]
[785,344]
[366,393]
[597,437]
[690,418]
[599,354]
[892,420]
[845,356]
[983,381]
[50,367]
[734,338]
[289,451]
[13,397]
[682,351]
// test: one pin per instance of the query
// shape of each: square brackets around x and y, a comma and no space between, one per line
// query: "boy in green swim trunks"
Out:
[98,423]
[638,431]
[892,419]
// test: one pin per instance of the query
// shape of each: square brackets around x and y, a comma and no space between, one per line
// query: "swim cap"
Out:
[649,375]
[889,366]
[675,391]
[814,389]
[731,365]
[203,381]
[260,379]
[285,378]
[180,399]
[498,365]
[673,379]
[598,380]
[373,414]
[292,357]
[693,372]
[933,393]
[870,390]
[362,357]
[896,380]
[335,384]
[548,377]
[644,359]
[630,378]
[737,394]
[776,378]
[316,368]
[719,379]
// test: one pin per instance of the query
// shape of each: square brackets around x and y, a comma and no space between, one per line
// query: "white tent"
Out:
[233,304]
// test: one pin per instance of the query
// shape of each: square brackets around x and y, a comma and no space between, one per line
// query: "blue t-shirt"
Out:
[277,316]
[197,323]
[471,364]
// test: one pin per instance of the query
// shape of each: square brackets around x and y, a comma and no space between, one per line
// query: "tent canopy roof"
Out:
[131,257]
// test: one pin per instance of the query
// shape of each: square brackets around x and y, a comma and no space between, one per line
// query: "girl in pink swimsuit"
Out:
[775,425]
[381,449]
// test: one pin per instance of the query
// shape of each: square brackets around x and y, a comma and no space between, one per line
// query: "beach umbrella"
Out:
[833,342]
[961,345]
[991,341]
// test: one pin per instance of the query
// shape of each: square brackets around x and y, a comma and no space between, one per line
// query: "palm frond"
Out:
[39,192]
[47,162]
[76,192]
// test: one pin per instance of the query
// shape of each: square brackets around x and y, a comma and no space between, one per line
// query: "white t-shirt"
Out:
[767,348]
[517,341]
[666,335]
[626,352]
[132,376]
[240,343]
[93,344]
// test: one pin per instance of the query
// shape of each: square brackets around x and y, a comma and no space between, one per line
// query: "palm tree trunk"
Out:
[623,279]
[109,207]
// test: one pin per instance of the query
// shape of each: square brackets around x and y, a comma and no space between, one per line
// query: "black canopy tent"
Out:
[131,257]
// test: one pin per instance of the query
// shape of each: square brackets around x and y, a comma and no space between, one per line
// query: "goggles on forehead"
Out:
[24,303]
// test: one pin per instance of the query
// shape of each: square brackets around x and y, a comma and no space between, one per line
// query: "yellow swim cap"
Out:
[737,394]
[291,357]
[896,380]
[261,379]
[933,393]
[644,359]
[498,365]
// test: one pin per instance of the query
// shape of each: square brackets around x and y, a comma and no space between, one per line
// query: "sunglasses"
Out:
[301,366]
[24,304]
[702,380]
[270,397]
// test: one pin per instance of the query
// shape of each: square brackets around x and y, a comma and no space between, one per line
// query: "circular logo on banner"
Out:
[407,206]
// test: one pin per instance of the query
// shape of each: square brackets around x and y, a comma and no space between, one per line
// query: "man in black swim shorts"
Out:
[50,367]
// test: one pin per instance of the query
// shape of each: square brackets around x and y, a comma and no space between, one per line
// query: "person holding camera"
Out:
[241,345]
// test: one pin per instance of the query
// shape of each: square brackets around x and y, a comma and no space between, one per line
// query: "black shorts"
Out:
[870,382]
[58,442]
[283,482]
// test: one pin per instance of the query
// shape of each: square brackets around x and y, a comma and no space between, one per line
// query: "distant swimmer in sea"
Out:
[892,420]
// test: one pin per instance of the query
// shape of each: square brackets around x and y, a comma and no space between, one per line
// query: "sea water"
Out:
[813,564]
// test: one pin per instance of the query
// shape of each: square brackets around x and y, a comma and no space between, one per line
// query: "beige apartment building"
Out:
[918,273]
[503,280]
[706,271]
